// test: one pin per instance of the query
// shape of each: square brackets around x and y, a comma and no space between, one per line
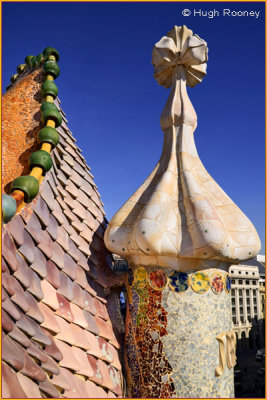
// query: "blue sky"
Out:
[113,103]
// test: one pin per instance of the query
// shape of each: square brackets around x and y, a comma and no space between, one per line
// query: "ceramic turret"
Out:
[180,232]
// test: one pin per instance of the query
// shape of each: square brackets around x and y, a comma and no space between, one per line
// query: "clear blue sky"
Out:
[113,103]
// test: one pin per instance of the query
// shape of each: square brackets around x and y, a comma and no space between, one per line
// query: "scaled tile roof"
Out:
[58,322]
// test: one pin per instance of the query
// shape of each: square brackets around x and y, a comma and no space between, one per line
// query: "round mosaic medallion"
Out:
[217,282]
[140,277]
[178,281]
[158,279]
[200,282]
[130,276]
[227,283]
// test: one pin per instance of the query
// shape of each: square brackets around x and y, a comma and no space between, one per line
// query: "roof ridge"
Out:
[25,188]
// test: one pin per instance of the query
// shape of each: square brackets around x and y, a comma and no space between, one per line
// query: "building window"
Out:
[239,272]
[247,292]
[240,281]
[254,283]
[234,320]
[233,281]
[242,320]
[246,272]
[233,301]
[240,292]
[247,282]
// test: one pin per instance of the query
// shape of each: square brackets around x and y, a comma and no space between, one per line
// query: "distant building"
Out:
[248,302]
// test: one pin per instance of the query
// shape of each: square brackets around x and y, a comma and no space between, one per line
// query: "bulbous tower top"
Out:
[180,218]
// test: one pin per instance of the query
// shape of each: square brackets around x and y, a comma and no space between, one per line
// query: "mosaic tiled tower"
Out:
[180,233]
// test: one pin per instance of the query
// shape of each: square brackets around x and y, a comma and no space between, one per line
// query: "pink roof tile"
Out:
[69,360]
[29,387]
[50,296]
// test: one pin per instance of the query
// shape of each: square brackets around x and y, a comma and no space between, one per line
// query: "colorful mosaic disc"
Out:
[200,282]
[178,281]
[140,277]
[217,283]
[227,283]
[158,279]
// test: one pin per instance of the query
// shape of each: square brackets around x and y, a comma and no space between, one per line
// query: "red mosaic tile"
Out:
[106,331]
[34,228]
[16,227]
[50,296]
[49,319]
[69,266]
[61,380]
[46,245]
[97,377]
[35,288]
[66,286]
[23,273]
[12,353]
[9,307]
[101,309]
[39,264]
[34,310]
[9,251]
[107,382]
[68,361]
[42,211]
[58,255]
[115,380]
[19,336]
[81,277]
[53,275]
[72,189]
[4,265]
[62,238]
[38,336]
[81,338]
[32,370]
[89,303]
[7,323]
[105,347]
[64,310]
[27,248]
[10,385]
[92,326]
[26,325]
[95,391]
[29,387]
[52,227]
[78,296]
[85,366]
[52,348]
[48,197]
[48,389]
[65,333]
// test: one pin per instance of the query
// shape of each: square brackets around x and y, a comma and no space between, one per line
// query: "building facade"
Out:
[248,303]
